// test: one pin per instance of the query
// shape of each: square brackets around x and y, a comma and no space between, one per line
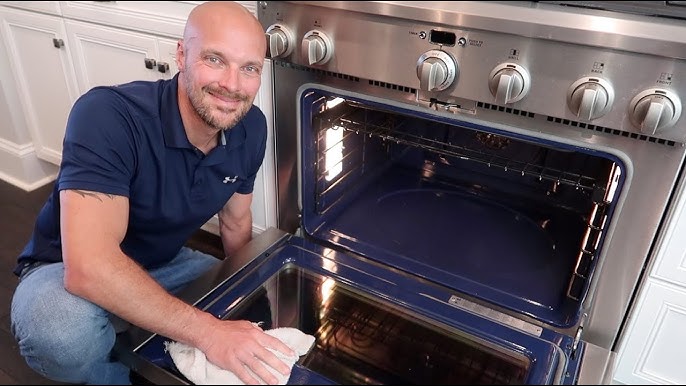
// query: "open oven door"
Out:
[372,324]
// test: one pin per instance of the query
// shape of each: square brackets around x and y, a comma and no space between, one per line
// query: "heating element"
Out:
[468,192]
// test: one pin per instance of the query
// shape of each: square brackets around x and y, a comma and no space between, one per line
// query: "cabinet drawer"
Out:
[166,18]
[49,7]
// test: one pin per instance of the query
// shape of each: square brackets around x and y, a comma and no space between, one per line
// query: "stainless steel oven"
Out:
[468,192]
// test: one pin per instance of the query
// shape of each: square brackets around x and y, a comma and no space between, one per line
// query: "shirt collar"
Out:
[172,124]
[170,115]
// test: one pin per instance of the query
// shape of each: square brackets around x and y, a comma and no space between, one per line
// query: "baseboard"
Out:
[22,168]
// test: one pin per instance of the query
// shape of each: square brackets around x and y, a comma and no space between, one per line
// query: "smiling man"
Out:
[145,164]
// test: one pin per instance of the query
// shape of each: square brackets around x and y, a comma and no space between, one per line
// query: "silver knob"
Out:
[590,98]
[509,83]
[654,109]
[436,70]
[279,41]
[316,47]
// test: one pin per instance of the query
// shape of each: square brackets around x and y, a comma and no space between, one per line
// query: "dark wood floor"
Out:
[18,210]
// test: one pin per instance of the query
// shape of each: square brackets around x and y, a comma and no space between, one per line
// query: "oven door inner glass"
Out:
[516,221]
[409,333]
[363,340]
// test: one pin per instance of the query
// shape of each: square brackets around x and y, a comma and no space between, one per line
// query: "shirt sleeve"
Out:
[98,149]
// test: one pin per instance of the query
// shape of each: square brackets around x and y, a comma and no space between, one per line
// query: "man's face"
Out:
[222,71]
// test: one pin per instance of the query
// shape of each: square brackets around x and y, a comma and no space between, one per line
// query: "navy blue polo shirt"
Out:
[129,140]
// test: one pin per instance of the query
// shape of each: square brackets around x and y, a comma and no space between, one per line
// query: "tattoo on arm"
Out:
[97,195]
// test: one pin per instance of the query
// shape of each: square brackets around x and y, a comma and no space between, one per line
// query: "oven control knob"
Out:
[316,47]
[654,109]
[509,83]
[279,41]
[590,98]
[436,70]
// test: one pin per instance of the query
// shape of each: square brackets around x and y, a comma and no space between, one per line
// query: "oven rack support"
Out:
[386,127]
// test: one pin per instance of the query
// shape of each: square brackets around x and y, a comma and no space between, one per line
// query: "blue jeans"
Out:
[69,339]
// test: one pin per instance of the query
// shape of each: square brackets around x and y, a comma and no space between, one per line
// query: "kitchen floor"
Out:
[19,210]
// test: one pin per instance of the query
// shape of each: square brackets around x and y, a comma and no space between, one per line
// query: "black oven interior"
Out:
[515,221]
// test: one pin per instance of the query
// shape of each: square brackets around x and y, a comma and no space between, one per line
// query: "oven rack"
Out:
[351,329]
[387,128]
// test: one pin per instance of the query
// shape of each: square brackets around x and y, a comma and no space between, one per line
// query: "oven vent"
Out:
[607,130]
[392,86]
[508,110]
[319,72]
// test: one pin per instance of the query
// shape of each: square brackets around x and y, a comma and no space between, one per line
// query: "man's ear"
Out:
[180,54]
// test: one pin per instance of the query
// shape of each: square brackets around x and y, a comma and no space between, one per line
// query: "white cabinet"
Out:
[264,194]
[41,64]
[108,56]
[652,346]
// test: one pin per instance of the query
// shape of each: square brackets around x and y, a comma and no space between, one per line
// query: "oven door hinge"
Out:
[577,336]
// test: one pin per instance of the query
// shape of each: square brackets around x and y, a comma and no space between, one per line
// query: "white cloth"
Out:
[193,363]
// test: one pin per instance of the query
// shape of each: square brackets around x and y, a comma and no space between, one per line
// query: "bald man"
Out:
[144,165]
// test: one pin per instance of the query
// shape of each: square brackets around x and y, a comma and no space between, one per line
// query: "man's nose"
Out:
[231,79]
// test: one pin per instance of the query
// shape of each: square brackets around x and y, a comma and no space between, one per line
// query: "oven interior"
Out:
[516,221]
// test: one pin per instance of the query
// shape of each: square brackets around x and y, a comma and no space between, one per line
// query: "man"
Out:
[145,164]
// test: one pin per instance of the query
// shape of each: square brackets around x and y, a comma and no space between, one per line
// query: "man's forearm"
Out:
[120,286]
[234,236]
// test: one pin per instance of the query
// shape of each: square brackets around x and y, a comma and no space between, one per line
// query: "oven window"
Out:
[364,340]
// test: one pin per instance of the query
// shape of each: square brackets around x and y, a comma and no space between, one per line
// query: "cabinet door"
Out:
[167,55]
[670,261]
[656,338]
[44,73]
[107,56]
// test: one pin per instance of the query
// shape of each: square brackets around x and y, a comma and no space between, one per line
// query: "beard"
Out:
[221,118]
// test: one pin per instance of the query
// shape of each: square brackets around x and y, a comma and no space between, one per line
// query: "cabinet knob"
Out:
[150,63]
[163,67]
[58,43]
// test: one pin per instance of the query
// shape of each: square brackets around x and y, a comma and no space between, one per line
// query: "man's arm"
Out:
[93,226]
[235,223]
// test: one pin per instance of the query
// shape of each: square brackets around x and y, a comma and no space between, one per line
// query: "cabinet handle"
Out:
[163,67]
[150,63]
[58,43]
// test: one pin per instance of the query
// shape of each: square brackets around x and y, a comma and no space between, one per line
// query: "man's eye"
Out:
[252,69]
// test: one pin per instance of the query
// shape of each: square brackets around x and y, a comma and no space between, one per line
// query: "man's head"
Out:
[220,62]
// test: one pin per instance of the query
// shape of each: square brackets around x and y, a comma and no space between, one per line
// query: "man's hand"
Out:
[239,345]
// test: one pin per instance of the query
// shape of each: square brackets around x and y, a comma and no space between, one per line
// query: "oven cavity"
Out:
[510,220]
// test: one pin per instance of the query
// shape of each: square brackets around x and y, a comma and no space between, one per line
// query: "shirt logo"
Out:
[230,179]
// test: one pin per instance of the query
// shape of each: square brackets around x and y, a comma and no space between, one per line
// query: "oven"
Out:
[468,192]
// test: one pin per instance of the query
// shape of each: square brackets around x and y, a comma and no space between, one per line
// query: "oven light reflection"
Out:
[329,264]
[233,304]
[334,152]
[614,181]
[327,289]
[334,102]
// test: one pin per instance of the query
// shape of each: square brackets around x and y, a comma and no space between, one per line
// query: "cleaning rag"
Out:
[193,363]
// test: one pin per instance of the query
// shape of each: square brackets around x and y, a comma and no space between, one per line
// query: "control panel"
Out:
[589,84]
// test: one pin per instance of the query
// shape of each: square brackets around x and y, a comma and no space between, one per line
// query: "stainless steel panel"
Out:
[376,48]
